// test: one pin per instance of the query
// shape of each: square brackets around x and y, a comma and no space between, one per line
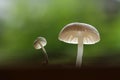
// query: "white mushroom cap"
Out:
[72,31]
[38,41]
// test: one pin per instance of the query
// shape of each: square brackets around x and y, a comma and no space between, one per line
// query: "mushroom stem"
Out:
[45,53]
[80,52]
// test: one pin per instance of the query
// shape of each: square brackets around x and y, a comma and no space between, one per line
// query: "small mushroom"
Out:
[79,33]
[39,43]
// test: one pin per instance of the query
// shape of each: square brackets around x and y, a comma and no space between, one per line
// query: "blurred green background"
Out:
[22,21]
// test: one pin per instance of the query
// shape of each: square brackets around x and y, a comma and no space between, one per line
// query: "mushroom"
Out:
[79,33]
[39,43]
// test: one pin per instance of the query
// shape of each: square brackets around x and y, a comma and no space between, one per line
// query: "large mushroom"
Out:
[79,33]
[39,43]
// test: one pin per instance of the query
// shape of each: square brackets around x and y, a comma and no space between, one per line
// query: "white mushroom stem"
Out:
[45,53]
[80,52]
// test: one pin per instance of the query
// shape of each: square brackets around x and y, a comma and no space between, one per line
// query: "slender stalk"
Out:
[80,52]
[44,53]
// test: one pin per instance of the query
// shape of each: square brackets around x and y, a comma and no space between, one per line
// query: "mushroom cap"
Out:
[71,32]
[39,40]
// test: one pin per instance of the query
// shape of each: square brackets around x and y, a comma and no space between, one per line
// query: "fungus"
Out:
[79,33]
[39,43]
